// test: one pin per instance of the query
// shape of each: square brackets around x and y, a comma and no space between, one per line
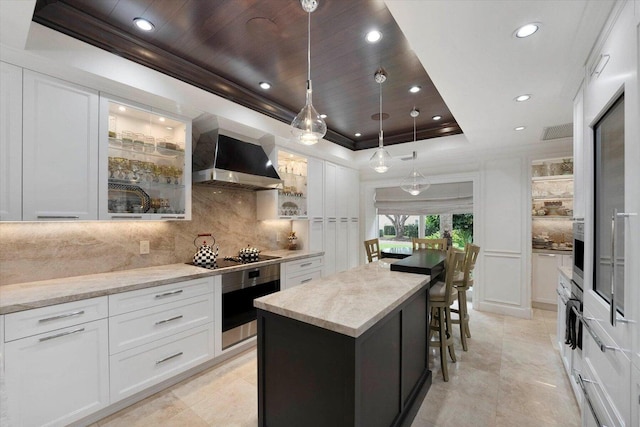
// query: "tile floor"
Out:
[511,375]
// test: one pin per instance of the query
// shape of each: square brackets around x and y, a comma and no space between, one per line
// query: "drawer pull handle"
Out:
[306,264]
[170,293]
[62,334]
[173,356]
[62,316]
[581,382]
[58,217]
[306,280]
[126,217]
[562,297]
[171,319]
[171,217]
[585,321]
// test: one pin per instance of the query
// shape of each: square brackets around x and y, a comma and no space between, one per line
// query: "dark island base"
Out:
[310,376]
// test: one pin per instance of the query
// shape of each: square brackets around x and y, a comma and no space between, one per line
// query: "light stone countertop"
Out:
[28,295]
[566,271]
[349,302]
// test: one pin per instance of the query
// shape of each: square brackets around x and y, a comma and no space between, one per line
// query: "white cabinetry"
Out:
[145,163]
[289,202]
[299,272]
[578,156]
[330,233]
[56,362]
[635,397]
[10,142]
[60,150]
[544,277]
[158,333]
[315,188]
[330,171]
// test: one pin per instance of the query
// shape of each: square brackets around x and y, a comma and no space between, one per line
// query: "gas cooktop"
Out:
[234,261]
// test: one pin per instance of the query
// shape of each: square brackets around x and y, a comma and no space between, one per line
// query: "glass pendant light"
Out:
[308,127]
[381,160]
[415,183]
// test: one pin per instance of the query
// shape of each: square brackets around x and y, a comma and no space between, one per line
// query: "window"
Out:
[397,230]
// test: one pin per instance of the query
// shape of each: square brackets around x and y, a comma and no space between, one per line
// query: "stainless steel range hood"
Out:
[223,161]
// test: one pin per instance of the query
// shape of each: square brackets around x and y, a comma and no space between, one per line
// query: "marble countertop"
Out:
[349,302]
[567,271]
[28,295]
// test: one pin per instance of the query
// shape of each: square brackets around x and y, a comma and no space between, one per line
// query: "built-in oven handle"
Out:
[581,382]
[594,335]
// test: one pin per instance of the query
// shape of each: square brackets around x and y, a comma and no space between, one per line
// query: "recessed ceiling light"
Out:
[527,30]
[265,85]
[519,128]
[415,89]
[121,108]
[436,117]
[143,24]
[324,116]
[161,119]
[358,134]
[169,128]
[374,36]
[522,98]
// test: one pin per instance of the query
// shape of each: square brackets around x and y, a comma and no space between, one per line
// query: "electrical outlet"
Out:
[277,236]
[144,247]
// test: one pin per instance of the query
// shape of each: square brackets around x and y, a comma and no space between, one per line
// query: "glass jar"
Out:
[127,139]
[138,142]
[149,144]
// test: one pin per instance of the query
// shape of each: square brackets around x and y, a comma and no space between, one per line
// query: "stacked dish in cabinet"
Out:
[552,204]
[148,164]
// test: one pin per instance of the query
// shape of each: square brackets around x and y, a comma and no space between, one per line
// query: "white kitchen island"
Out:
[346,350]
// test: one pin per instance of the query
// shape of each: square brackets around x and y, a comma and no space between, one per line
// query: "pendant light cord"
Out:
[380,135]
[309,47]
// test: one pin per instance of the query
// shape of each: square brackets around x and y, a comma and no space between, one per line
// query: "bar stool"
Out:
[441,296]
[439,244]
[462,282]
[373,249]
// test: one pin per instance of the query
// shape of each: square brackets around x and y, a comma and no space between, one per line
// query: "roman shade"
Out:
[449,198]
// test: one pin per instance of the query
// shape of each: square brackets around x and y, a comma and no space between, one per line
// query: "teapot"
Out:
[205,256]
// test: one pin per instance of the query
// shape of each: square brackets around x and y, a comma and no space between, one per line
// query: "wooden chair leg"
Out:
[443,344]
[465,316]
[461,319]
[449,331]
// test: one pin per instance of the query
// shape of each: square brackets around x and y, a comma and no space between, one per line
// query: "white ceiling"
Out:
[479,67]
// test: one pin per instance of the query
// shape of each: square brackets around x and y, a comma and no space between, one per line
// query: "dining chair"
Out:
[441,297]
[439,244]
[462,282]
[373,249]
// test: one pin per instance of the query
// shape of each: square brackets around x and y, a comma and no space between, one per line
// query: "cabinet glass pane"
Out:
[146,162]
[609,196]
[292,198]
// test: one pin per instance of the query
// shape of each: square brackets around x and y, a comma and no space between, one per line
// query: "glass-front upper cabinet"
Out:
[289,202]
[145,163]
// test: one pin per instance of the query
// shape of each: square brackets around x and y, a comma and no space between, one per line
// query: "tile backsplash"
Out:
[32,251]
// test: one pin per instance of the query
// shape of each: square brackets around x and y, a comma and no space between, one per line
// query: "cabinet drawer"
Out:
[596,401]
[58,377]
[295,268]
[40,320]
[141,367]
[612,366]
[304,278]
[157,295]
[143,326]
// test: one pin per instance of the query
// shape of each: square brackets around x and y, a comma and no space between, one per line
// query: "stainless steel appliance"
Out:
[239,289]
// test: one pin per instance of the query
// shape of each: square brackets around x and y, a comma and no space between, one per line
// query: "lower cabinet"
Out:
[635,397]
[544,277]
[295,273]
[56,375]
[65,362]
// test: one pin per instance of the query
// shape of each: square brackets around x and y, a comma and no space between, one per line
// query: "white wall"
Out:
[502,219]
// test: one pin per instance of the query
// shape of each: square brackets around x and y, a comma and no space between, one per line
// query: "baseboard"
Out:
[521,312]
[544,306]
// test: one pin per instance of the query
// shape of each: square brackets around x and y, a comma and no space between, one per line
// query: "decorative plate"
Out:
[131,195]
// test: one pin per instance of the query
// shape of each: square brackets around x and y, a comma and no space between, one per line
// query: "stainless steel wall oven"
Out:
[239,289]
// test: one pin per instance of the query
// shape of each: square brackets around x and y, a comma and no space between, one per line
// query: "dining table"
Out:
[396,252]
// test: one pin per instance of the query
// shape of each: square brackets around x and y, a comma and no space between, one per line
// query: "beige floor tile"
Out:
[152,411]
[512,375]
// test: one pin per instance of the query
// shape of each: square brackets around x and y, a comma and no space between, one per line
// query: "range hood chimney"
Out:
[220,160]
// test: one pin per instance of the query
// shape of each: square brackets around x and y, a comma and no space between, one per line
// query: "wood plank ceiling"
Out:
[227,47]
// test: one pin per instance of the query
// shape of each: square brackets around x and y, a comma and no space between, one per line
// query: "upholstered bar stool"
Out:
[461,284]
[373,249]
[441,296]
[439,244]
